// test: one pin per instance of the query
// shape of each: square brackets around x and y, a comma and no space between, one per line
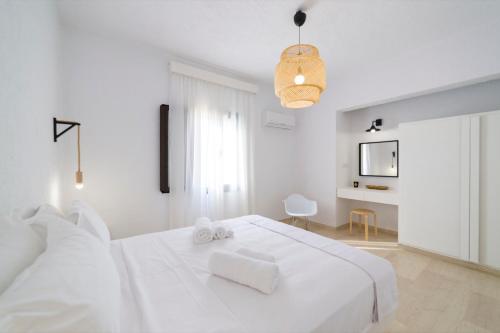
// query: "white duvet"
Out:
[166,285]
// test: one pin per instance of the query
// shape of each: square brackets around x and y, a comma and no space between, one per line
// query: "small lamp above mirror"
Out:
[375,123]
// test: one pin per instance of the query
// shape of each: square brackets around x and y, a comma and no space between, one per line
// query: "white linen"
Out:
[384,280]
[87,218]
[160,293]
[203,231]
[257,274]
[318,292]
[72,287]
[256,254]
[19,248]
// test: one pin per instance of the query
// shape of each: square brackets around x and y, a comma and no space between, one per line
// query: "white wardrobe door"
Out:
[489,190]
[434,189]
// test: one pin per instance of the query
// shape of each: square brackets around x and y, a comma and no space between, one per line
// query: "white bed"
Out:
[325,285]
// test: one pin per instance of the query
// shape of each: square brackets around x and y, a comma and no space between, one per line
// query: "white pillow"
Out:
[85,217]
[19,248]
[27,214]
[30,216]
[72,287]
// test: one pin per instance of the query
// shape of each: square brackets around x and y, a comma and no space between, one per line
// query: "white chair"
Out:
[297,205]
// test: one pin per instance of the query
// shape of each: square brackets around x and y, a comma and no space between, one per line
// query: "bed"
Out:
[325,285]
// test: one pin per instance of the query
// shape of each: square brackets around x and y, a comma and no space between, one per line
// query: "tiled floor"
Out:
[434,295]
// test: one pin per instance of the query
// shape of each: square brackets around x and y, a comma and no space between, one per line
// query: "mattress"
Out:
[325,285]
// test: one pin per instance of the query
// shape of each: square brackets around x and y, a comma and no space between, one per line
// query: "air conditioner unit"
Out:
[279,120]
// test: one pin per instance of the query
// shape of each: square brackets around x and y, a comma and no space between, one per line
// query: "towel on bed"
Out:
[257,274]
[203,232]
[221,231]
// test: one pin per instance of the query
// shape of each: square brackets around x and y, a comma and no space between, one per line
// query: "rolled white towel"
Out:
[202,232]
[221,231]
[256,254]
[257,274]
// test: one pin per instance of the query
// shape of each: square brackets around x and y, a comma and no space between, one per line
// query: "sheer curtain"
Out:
[217,149]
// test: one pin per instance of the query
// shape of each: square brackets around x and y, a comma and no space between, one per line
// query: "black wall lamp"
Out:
[78,174]
[375,123]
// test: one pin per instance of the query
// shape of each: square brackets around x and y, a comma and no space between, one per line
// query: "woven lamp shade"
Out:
[297,59]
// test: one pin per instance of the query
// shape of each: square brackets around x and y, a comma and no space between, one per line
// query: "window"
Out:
[230,124]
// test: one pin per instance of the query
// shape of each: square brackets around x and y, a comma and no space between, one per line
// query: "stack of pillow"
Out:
[57,274]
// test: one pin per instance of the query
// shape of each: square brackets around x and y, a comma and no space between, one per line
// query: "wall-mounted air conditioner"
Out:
[279,120]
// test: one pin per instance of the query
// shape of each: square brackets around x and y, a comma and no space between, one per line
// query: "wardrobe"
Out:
[450,187]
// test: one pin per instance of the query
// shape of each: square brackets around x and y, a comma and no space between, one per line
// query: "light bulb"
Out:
[79,180]
[299,78]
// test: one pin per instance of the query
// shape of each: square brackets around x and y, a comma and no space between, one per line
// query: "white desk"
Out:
[388,197]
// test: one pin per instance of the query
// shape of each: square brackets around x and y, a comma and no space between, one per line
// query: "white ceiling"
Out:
[247,37]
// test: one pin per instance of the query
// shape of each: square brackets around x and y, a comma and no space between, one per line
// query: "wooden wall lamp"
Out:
[78,174]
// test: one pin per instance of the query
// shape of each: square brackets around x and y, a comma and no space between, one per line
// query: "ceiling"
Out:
[246,37]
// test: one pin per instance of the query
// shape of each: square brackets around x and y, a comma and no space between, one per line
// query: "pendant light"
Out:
[300,76]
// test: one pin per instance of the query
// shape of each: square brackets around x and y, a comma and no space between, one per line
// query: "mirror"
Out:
[379,159]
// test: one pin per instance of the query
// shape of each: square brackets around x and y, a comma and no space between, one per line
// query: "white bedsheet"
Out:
[166,286]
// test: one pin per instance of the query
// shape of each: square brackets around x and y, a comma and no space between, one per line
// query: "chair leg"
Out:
[307,223]
[376,224]
[350,223]
[366,227]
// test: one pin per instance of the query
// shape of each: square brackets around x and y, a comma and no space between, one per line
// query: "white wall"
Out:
[29,98]
[114,88]
[467,56]
[275,159]
[315,157]
[473,99]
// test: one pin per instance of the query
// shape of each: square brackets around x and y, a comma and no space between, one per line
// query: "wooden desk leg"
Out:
[366,227]
[375,221]
[350,223]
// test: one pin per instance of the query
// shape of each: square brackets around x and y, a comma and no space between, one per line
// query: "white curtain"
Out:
[217,150]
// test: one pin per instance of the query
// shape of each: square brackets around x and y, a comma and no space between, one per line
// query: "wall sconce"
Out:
[375,123]
[78,174]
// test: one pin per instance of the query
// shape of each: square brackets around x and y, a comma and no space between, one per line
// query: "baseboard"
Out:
[463,263]
[288,220]
[346,225]
[387,231]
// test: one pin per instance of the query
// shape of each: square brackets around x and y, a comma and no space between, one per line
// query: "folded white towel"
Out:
[258,274]
[221,231]
[256,254]
[203,232]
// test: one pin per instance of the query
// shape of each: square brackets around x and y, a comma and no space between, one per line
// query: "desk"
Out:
[388,197]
